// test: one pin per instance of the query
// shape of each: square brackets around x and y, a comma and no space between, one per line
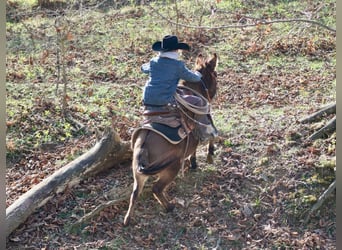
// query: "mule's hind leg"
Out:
[139,179]
[165,178]
[139,182]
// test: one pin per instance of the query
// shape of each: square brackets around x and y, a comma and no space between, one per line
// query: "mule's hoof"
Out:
[193,166]
[193,169]
[193,163]
[126,222]
[170,207]
[210,159]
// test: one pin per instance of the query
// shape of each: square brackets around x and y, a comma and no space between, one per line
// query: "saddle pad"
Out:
[172,135]
[171,121]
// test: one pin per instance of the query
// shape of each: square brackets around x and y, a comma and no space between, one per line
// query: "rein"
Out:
[201,110]
[193,119]
[192,108]
[206,90]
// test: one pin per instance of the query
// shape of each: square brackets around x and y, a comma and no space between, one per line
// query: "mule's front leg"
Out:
[211,149]
[193,161]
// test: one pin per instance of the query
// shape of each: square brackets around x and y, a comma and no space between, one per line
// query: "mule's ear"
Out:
[199,59]
[213,61]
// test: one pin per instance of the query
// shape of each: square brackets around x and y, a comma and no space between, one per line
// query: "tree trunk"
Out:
[106,153]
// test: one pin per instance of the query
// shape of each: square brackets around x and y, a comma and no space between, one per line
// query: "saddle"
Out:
[167,121]
[168,124]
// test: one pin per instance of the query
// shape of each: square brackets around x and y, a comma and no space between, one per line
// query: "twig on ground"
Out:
[77,124]
[120,196]
[321,200]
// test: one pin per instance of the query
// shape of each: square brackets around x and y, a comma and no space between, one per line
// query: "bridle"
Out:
[206,90]
[205,86]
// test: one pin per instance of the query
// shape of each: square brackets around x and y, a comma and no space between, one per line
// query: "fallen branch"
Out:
[119,196]
[327,129]
[326,110]
[321,200]
[115,195]
[76,124]
[107,152]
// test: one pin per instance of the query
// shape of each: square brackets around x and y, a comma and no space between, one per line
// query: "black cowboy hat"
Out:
[169,43]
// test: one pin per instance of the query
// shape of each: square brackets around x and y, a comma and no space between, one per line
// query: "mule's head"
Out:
[207,67]
[205,128]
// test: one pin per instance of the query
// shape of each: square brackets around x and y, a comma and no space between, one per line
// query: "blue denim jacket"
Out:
[164,74]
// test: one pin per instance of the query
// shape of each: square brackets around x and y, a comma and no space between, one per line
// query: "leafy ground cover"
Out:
[266,175]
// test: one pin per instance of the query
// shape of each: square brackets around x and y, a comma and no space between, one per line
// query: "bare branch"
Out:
[260,22]
[321,199]
[121,195]
[330,127]
[327,110]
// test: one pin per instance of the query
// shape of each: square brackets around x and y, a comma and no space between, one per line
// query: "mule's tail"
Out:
[141,158]
[155,167]
[152,168]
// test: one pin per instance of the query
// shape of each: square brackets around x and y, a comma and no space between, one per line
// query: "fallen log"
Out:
[329,128]
[106,153]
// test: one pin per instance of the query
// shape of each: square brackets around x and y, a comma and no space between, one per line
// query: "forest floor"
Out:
[257,194]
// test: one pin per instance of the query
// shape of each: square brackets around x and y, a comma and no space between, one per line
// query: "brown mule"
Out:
[153,155]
